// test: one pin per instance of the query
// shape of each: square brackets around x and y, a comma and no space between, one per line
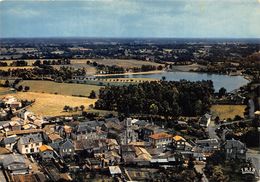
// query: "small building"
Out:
[160,139]
[9,142]
[178,142]
[29,144]
[66,148]
[235,149]
[15,164]
[208,145]
[115,170]
[46,152]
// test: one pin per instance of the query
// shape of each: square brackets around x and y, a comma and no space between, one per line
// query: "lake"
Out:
[226,81]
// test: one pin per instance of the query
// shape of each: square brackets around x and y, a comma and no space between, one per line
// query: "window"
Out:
[37,144]
[26,146]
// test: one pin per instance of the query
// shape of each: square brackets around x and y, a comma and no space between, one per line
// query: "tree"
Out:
[222,92]
[20,88]
[153,109]
[82,107]
[92,95]
[6,84]
[66,108]
[163,78]
[26,88]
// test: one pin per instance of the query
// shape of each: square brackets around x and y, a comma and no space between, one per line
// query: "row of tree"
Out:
[158,98]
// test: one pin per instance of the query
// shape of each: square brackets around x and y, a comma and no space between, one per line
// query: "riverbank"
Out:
[131,73]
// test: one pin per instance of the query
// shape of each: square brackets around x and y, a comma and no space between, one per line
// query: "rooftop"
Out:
[157,136]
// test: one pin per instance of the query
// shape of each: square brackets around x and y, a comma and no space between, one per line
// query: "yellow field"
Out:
[60,88]
[51,104]
[125,63]
[227,111]
[5,68]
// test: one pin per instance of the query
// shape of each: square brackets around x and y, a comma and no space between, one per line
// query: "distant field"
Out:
[59,88]
[126,63]
[5,68]
[51,104]
[187,67]
[227,111]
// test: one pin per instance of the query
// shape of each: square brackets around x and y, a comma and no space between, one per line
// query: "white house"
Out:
[29,144]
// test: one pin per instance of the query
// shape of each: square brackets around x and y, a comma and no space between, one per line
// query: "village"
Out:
[37,148]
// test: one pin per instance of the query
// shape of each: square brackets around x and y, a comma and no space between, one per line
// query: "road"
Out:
[211,130]
[254,155]
[199,168]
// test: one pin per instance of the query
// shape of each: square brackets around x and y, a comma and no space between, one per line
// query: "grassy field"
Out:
[60,88]
[5,68]
[125,63]
[227,111]
[51,104]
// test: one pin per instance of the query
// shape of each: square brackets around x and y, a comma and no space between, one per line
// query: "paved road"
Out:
[211,130]
[255,158]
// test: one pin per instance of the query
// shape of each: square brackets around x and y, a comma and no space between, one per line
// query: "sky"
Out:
[130,18]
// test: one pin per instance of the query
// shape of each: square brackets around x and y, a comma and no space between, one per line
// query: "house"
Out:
[84,131]
[54,140]
[15,164]
[235,149]
[208,145]
[111,158]
[66,148]
[178,142]
[29,144]
[46,152]
[115,171]
[149,130]
[16,124]
[160,139]
[9,142]
[12,102]
[205,120]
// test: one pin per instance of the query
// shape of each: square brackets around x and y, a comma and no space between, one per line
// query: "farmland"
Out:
[60,88]
[51,104]
[227,111]
[125,63]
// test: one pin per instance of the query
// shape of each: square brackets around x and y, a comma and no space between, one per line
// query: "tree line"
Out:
[158,98]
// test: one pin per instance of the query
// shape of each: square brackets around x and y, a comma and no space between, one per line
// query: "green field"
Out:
[59,88]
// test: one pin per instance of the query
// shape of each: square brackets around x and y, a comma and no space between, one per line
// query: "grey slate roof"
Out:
[9,140]
[234,144]
[33,138]
[14,159]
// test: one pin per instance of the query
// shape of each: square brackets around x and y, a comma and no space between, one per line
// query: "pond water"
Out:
[226,81]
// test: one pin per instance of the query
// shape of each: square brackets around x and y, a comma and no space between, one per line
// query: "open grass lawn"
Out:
[51,104]
[227,111]
[60,88]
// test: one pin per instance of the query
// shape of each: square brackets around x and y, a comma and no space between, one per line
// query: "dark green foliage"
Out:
[166,98]
[92,95]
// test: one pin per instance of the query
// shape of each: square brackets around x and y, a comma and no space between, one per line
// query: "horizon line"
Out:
[106,37]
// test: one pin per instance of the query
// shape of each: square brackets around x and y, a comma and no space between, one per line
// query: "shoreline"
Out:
[131,73]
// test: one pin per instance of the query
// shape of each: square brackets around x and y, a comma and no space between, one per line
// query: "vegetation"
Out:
[171,98]
[51,104]
[227,111]
[60,88]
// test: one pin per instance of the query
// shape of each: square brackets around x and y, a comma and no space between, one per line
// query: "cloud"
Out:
[130,18]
